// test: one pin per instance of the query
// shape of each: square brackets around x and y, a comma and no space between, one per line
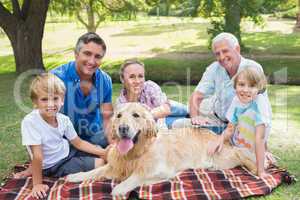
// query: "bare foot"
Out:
[23,174]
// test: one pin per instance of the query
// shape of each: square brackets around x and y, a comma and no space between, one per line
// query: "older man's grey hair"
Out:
[230,38]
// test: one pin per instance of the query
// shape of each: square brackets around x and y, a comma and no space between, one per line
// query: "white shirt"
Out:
[36,131]
[216,81]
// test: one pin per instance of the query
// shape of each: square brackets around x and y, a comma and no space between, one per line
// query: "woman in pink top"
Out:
[136,89]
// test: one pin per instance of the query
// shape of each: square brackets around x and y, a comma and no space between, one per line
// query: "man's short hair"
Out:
[87,38]
[48,83]
[230,38]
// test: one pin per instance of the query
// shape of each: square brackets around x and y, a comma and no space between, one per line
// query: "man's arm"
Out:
[107,111]
[194,105]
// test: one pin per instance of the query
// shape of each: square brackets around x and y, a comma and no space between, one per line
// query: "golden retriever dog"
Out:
[142,155]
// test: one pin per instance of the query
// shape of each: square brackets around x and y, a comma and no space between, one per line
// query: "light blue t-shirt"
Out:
[216,81]
[246,117]
[84,111]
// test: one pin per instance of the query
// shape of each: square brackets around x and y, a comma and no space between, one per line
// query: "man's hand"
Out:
[39,191]
[215,146]
[199,120]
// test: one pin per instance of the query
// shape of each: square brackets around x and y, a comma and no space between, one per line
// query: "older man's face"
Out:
[226,55]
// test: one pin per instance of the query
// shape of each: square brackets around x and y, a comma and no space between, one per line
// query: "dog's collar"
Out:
[135,138]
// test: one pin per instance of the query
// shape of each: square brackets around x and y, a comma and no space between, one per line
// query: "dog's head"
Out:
[132,126]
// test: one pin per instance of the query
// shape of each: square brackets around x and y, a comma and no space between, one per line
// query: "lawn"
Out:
[284,140]
[170,57]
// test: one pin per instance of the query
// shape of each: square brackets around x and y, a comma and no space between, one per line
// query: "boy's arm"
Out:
[217,145]
[88,147]
[260,150]
[39,189]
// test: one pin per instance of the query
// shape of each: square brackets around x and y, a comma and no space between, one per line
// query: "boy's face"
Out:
[244,91]
[48,104]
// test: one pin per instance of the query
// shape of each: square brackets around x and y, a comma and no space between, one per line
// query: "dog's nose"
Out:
[123,129]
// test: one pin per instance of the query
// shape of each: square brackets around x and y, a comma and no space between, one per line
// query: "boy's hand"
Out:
[263,174]
[215,146]
[39,191]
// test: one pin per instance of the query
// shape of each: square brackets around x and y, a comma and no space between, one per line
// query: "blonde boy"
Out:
[47,133]
[249,125]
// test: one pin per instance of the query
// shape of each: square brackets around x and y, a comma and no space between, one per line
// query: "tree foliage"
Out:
[91,13]
[226,15]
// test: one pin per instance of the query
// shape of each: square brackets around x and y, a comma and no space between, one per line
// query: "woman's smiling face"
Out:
[134,78]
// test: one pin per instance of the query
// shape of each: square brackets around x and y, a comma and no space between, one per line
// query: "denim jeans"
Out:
[178,111]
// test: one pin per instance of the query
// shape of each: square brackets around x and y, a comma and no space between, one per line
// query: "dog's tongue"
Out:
[125,145]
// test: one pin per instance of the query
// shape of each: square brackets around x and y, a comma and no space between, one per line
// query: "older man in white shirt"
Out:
[213,95]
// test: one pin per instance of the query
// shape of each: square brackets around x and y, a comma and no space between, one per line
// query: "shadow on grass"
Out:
[156,29]
[272,43]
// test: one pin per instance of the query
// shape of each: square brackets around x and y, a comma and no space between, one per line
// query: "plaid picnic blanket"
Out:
[191,184]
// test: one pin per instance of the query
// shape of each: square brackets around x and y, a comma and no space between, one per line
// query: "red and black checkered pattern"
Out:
[191,184]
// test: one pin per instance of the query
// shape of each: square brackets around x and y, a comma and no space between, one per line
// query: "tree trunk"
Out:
[91,17]
[233,18]
[25,28]
[297,25]
[167,7]
[194,5]
[27,47]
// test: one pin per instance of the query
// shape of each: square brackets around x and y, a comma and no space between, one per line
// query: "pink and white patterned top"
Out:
[151,95]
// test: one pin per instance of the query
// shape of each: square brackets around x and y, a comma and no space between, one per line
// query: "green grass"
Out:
[174,51]
[284,140]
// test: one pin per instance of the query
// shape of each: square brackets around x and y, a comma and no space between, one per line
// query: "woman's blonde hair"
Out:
[255,77]
[48,83]
[126,64]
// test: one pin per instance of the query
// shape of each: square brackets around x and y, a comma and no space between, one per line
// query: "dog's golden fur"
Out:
[157,156]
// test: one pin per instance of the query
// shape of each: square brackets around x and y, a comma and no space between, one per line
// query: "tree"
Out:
[91,13]
[297,26]
[24,26]
[226,15]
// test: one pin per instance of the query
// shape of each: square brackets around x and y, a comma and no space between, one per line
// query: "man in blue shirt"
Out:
[88,99]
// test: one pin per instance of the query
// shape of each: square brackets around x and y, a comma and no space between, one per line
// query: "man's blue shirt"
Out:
[84,111]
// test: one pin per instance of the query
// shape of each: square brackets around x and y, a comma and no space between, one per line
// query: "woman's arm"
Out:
[39,189]
[161,111]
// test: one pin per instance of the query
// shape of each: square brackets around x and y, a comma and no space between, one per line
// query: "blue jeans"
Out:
[178,111]
[97,139]
[216,129]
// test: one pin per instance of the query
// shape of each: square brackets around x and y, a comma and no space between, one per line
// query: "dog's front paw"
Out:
[119,190]
[74,177]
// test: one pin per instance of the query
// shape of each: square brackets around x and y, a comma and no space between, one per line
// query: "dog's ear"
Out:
[113,128]
[151,130]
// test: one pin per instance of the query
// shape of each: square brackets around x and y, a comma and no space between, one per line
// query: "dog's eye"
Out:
[119,115]
[135,115]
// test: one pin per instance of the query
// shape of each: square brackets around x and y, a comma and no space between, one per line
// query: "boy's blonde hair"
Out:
[48,83]
[255,77]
